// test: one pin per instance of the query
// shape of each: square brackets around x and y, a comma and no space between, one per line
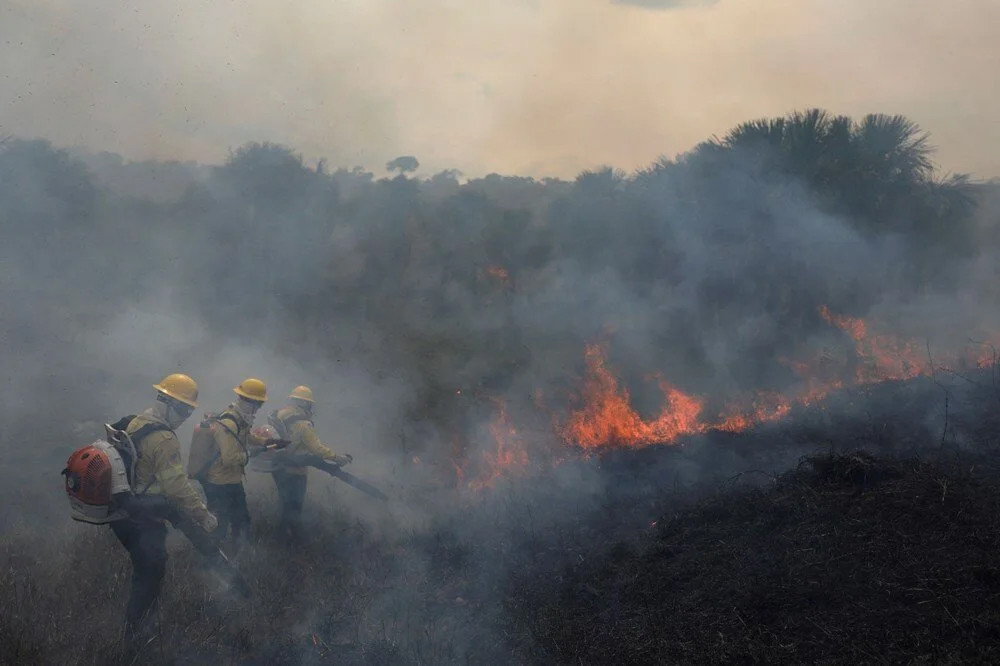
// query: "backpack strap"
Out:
[235,430]
[284,425]
[123,423]
[277,424]
[147,430]
[296,418]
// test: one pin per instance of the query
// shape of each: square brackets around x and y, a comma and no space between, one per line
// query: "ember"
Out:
[509,457]
[881,357]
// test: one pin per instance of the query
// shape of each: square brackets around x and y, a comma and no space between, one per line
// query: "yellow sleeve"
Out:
[173,481]
[231,454]
[304,432]
[253,440]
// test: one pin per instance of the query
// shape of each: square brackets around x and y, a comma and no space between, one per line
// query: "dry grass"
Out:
[347,596]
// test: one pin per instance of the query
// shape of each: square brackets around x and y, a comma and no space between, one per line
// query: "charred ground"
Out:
[848,559]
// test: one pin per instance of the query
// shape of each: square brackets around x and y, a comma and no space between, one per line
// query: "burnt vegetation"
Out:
[859,528]
[847,558]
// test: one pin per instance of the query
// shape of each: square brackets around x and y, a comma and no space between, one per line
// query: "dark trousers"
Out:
[145,542]
[228,502]
[292,493]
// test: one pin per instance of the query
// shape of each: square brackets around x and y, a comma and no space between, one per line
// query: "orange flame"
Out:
[766,406]
[510,456]
[882,357]
[987,357]
[498,273]
[607,418]
[496,276]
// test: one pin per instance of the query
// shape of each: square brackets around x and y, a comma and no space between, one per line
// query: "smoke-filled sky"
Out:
[534,87]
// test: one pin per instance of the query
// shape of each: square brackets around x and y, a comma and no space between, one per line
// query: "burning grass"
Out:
[606,418]
[695,552]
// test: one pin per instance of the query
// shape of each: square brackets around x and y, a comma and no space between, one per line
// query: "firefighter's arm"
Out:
[304,433]
[231,454]
[257,444]
[174,482]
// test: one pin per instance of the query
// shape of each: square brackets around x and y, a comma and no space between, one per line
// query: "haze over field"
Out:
[533,87]
[729,234]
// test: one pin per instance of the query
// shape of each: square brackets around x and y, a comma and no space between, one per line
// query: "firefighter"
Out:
[223,479]
[158,476]
[294,423]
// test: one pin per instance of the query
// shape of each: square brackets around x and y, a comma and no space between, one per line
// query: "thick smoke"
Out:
[525,87]
[707,272]
[416,308]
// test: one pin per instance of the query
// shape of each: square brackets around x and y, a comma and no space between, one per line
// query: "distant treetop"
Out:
[403,164]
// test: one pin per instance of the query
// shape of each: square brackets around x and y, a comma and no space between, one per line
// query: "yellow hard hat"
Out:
[179,387]
[252,389]
[302,393]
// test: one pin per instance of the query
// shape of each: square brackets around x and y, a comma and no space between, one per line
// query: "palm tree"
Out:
[892,149]
[810,144]
[755,134]
[878,171]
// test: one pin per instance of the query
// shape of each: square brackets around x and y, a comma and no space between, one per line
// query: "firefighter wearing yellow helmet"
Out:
[222,479]
[294,423]
[159,480]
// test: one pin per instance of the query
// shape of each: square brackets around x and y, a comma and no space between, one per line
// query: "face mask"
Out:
[247,409]
[172,413]
[174,417]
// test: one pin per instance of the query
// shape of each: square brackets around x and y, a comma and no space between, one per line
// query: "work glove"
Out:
[209,522]
[342,460]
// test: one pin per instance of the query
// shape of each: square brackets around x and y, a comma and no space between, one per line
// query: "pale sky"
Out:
[527,87]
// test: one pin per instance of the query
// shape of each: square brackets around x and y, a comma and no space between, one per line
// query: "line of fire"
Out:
[604,418]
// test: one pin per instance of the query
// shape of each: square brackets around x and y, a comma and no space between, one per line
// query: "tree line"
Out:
[711,264]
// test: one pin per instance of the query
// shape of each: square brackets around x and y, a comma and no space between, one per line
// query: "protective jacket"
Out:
[232,436]
[302,434]
[158,469]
